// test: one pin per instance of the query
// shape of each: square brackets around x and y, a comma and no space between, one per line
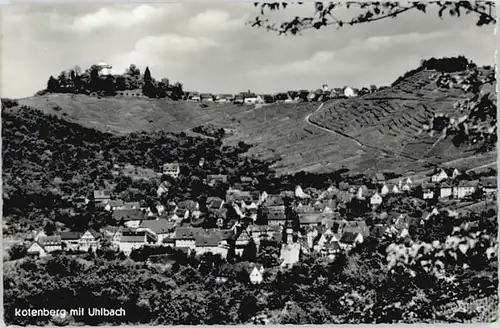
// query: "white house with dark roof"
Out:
[464,188]
[130,217]
[102,196]
[255,273]
[489,185]
[376,199]
[349,239]
[445,190]
[161,228]
[131,240]
[171,169]
[185,237]
[428,190]
[439,176]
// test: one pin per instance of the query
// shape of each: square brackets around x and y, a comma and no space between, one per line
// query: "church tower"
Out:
[289,232]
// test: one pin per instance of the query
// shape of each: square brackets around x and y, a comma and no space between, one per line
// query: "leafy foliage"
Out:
[88,82]
[367,11]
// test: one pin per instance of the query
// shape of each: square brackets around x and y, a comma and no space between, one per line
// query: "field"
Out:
[375,132]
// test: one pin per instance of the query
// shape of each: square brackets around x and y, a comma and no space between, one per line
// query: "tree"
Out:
[49,228]
[52,84]
[250,252]
[149,89]
[133,71]
[324,13]
[17,251]
[147,75]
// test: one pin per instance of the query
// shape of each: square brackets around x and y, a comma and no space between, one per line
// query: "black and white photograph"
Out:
[249,163]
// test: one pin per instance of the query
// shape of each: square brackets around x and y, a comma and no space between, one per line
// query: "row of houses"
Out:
[248,97]
[459,189]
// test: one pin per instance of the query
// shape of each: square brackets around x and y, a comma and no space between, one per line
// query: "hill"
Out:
[277,131]
[383,130]
[398,120]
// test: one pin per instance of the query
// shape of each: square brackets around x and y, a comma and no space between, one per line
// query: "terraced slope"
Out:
[277,131]
[392,119]
[375,132]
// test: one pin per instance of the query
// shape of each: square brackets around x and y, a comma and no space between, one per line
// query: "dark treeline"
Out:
[90,81]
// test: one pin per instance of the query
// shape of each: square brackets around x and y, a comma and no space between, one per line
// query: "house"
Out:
[171,169]
[350,239]
[113,204]
[39,234]
[455,173]
[379,178]
[427,215]
[299,193]
[255,274]
[489,186]
[439,176]
[89,240]
[252,98]
[406,187]
[445,190]
[379,230]
[375,199]
[428,190]
[276,215]
[384,190]
[395,189]
[207,97]
[214,180]
[186,237]
[361,191]
[102,196]
[161,228]
[163,188]
[312,96]
[71,240]
[224,98]
[45,245]
[129,217]
[214,204]
[310,219]
[130,240]
[213,241]
[234,195]
[464,188]
[262,232]
[274,200]
[239,99]
[247,181]
[109,232]
[37,249]
[188,208]
[350,92]
[357,226]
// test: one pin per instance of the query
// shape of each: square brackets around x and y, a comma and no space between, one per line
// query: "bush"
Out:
[9,103]
[17,252]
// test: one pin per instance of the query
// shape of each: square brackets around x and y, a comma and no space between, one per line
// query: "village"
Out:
[299,221]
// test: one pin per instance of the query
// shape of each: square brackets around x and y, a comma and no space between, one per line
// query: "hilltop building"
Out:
[104,69]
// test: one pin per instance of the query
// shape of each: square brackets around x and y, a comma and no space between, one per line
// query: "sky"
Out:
[209,48]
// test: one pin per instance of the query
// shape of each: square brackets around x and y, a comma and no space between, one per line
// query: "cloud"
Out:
[120,17]
[377,43]
[215,20]
[319,63]
[162,49]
